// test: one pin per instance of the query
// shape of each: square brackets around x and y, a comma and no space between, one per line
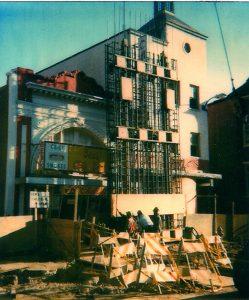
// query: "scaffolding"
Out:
[140,163]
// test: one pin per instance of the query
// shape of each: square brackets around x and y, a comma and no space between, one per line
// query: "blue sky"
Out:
[38,34]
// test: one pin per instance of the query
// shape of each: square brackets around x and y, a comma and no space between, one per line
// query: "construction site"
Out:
[83,259]
[106,183]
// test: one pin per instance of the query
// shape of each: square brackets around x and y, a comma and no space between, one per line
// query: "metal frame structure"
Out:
[139,166]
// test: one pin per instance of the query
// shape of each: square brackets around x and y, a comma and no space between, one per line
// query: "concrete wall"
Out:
[240,221]
[203,223]
[17,235]
[191,69]
[91,61]
[20,234]
[189,190]
[167,203]
[60,237]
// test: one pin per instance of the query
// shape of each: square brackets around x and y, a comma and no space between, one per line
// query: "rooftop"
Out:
[165,17]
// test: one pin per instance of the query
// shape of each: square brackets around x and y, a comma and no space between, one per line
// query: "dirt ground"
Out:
[29,278]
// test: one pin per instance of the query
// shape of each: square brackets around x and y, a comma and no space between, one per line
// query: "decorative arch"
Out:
[56,128]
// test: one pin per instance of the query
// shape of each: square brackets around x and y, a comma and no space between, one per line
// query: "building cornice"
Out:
[65,94]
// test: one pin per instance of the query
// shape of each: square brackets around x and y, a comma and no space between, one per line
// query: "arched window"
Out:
[77,136]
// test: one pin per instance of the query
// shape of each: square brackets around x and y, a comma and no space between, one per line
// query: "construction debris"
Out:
[115,263]
[159,261]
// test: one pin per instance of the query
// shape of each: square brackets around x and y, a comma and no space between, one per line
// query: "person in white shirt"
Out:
[144,222]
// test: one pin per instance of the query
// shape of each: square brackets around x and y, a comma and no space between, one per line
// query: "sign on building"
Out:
[87,159]
[75,158]
[39,199]
[56,156]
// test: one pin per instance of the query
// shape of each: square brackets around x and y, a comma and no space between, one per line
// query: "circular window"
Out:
[187,47]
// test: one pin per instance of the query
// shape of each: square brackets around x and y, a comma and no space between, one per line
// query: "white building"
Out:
[156,85]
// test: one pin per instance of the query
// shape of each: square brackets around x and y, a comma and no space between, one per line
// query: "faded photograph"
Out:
[124,150]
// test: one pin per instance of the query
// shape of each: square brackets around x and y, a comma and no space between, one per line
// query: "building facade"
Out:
[228,122]
[152,123]
[46,130]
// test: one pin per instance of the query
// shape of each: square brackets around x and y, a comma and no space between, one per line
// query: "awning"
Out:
[61,181]
[198,175]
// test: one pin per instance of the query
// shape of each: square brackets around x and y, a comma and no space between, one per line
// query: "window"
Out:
[187,47]
[246,131]
[194,97]
[173,64]
[152,135]
[194,144]
[76,136]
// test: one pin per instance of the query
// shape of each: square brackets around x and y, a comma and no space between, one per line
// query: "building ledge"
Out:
[62,181]
[66,94]
[199,175]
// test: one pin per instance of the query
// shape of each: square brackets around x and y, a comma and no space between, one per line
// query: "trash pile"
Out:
[159,261]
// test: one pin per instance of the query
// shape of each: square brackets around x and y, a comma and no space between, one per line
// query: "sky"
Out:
[37,34]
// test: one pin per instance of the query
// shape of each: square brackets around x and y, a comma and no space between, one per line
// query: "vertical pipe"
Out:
[232,218]
[76,204]
[214,215]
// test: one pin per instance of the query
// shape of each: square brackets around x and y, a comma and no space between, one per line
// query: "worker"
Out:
[157,221]
[220,231]
[131,224]
[144,222]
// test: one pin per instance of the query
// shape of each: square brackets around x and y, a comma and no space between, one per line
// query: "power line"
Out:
[224,46]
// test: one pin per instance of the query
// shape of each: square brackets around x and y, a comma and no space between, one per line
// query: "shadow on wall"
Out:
[235,227]
[17,235]
[21,235]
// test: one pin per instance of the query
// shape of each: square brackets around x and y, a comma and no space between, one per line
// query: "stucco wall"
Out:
[91,61]
[191,69]
[189,190]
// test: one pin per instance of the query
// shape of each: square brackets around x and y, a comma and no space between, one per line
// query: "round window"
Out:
[187,47]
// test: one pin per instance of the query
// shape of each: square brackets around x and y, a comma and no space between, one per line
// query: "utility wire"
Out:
[224,46]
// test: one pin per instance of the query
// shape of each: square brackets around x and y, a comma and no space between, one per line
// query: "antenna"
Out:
[130,18]
[124,16]
[224,46]
[119,17]
[114,23]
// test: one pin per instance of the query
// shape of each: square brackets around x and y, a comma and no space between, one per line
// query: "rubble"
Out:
[149,263]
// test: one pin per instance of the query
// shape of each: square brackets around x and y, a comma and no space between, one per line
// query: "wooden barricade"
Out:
[216,250]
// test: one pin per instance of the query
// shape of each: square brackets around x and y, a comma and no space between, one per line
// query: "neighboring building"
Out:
[156,129]
[43,120]
[228,122]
